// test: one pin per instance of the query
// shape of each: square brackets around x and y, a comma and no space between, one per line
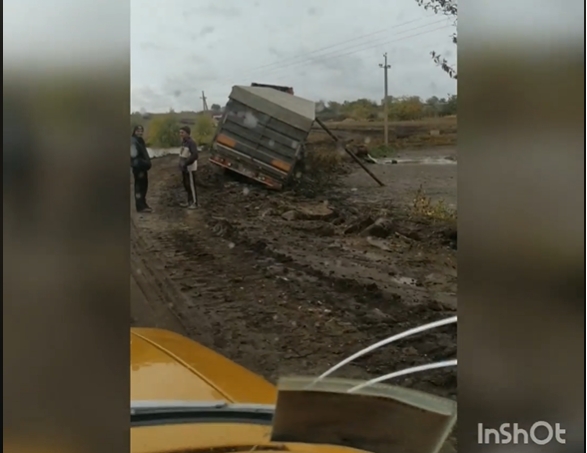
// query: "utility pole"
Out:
[385,67]
[204,103]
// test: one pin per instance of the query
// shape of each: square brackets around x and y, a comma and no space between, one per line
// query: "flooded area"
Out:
[421,161]
[434,171]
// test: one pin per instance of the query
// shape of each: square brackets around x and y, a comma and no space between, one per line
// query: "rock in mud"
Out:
[290,215]
[450,237]
[319,211]
[379,244]
[379,314]
[325,230]
[381,228]
[359,225]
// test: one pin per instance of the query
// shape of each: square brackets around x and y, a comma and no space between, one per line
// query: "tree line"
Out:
[162,129]
[404,108]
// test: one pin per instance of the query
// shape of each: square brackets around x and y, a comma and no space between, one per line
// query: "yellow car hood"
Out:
[197,438]
[168,366]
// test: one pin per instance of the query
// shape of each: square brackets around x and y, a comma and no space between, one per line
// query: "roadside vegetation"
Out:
[162,131]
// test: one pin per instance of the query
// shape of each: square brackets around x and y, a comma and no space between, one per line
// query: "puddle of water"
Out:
[422,161]
[162,152]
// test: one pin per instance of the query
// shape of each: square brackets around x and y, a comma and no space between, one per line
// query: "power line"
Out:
[304,55]
[266,69]
[379,44]
[365,48]
[359,47]
[335,54]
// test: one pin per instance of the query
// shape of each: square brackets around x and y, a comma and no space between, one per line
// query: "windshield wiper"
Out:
[165,412]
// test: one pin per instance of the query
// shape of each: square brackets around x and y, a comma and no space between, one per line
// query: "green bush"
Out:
[204,129]
[382,151]
[407,108]
[163,132]
[424,206]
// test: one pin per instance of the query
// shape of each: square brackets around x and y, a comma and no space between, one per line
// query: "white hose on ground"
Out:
[412,370]
[373,347]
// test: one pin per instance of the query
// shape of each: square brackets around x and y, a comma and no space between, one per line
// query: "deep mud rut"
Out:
[291,283]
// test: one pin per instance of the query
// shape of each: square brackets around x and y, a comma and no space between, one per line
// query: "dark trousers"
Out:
[141,187]
[189,184]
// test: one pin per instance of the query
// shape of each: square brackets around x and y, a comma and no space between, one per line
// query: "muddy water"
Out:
[162,152]
[419,161]
[432,171]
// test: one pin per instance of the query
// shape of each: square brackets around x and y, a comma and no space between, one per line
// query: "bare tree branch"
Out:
[447,8]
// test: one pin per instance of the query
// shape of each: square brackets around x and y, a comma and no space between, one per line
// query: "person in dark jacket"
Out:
[188,164]
[140,162]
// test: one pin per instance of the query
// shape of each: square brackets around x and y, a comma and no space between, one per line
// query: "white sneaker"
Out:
[193,206]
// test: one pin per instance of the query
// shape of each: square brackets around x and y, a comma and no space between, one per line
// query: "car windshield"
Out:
[171,412]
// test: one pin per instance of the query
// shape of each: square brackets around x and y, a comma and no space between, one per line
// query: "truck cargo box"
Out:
[261,134]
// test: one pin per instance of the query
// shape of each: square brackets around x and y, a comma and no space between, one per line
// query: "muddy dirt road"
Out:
[291,283]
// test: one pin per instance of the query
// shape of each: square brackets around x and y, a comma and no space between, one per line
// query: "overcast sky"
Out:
[327,49]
